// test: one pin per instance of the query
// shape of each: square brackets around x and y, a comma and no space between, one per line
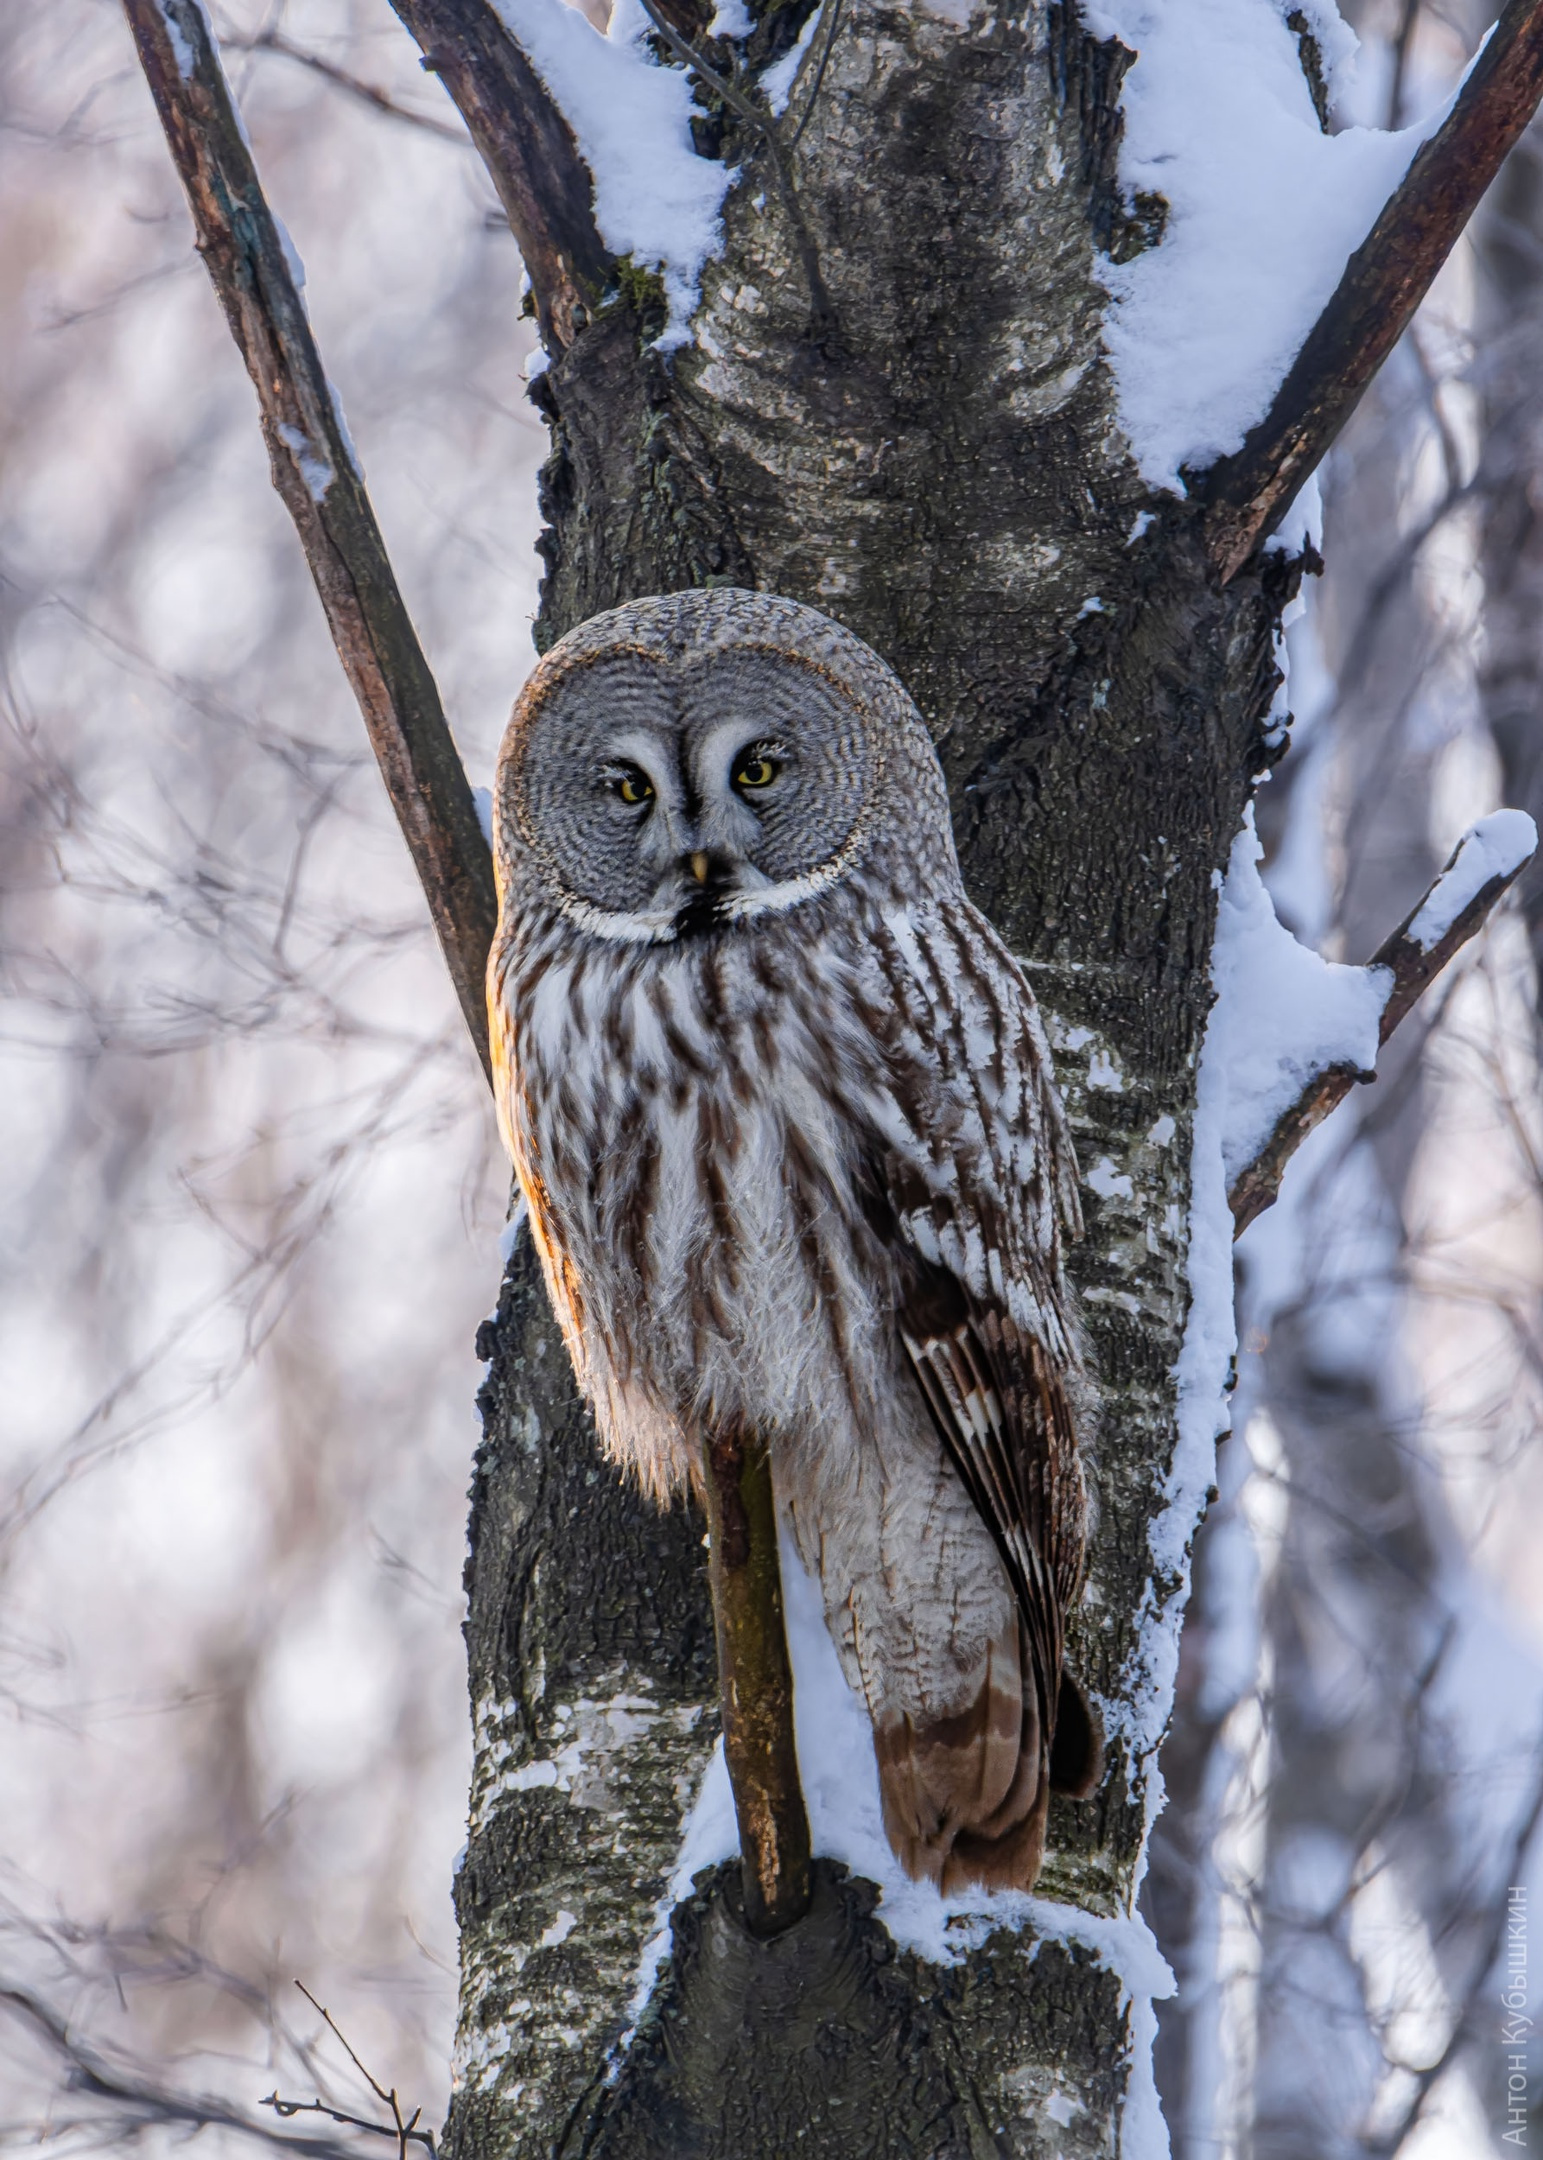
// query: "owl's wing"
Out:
[980,1183]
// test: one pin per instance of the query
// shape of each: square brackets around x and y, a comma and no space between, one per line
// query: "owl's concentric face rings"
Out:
[689,763]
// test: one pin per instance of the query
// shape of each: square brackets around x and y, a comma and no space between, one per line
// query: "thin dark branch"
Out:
[286,2109]
[274,41]
[331,2022]
[141,2103]
[530,152]
[730,93]
[819,73]
[1246,496]
[1413,969]
[765,126]
[316,473]
[404,2129]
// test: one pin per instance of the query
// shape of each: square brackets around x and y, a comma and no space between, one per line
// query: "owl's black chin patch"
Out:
[700,913]
[702,908]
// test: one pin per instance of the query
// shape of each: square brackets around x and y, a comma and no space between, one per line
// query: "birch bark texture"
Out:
[933,456]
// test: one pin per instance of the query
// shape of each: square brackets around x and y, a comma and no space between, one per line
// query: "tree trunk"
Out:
[938,463]
[891,400]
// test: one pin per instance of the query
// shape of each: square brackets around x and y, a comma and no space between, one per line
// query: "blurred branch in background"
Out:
[1354,1774]
[270,40]
[237,1097]
[257,276]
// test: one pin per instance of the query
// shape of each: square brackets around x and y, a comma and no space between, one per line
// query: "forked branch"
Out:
[1387,277]
[317,475]
[1412,965]
[404,2128]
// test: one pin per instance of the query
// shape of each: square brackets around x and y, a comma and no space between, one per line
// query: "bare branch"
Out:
[403,2128]
[316,473]
[274,41]
[755,1683]
[1385,280]
[530,151]
[1413,968]
[141,2103]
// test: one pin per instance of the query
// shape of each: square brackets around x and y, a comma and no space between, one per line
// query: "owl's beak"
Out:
[699,867]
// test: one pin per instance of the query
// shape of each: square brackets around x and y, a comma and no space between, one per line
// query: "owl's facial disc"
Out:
[675,799]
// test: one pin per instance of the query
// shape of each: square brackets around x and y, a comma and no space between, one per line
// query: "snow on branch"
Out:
[1301,1031]
[1247,494]
[589,143]
[258,279]
[528,143]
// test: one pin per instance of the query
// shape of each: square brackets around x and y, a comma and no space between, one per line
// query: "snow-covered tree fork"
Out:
[878,385]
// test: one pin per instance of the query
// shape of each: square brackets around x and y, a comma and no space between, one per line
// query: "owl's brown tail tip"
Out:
[966,1798]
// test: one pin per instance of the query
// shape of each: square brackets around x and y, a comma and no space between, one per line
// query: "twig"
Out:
[529,149]
[755,1683]
[819,73]
[405,2132]
[766,127]
[315,472]
[1412,968]
[1246,496]
[141,2102]
[274,41]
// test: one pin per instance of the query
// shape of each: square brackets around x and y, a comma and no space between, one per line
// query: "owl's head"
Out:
[685,763]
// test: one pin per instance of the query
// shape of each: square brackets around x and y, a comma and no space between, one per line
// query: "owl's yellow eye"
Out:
[756,771]
[634,786]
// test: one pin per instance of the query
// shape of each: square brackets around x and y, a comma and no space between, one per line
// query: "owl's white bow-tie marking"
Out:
[780,1103]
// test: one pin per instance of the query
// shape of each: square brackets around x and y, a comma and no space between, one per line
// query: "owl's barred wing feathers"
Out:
[980,1181]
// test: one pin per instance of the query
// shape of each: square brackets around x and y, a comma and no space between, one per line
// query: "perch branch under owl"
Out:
[755,1685]
[1245,496]
[257,276]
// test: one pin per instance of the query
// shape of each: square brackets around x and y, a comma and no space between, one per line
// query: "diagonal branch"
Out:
[134,2103]
[317,474]
[766,127]
[1246,496]
[530,151]
[274,41]
[1412,957]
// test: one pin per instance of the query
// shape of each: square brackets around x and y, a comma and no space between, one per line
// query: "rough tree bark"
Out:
[894,404]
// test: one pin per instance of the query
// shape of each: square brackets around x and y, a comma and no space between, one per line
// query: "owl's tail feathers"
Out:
[965,1795]
[966,1798]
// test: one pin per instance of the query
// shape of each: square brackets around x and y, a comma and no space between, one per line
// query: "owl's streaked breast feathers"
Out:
[781,1107]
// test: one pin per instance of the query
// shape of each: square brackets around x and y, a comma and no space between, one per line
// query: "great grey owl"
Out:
[780,1103]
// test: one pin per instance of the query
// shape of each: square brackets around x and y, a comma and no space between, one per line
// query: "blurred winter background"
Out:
[251,1189]
[252,1194]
